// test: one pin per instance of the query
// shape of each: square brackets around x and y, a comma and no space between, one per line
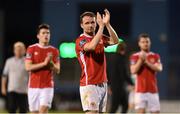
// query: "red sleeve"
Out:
[158,60]
[81,42]
[29,53]
[133,59]
[56,57]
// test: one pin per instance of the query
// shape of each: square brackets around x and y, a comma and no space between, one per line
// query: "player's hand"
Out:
[47,60]
[51,64]
[146,62]
[4,92]
[143,56]
[106,17]
[53,67]
[99,20]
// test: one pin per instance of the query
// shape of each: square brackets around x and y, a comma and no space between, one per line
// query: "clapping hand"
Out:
[106,17]
[143,56]
[99,20]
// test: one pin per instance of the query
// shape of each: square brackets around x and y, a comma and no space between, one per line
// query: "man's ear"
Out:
[139,44]
[81,25]
[37,36]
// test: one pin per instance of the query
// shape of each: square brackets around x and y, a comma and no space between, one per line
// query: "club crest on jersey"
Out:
[35,53]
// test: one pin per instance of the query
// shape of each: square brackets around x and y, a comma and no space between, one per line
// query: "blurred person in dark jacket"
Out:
[119,79]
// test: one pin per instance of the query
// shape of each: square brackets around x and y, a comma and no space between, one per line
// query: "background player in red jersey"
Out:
[90,53]
[42,60]
[145,65]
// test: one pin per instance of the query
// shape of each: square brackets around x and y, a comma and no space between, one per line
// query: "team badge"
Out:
[35,53]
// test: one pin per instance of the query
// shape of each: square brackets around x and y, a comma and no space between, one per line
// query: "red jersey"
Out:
[42,78]
[93,63]
[146,78]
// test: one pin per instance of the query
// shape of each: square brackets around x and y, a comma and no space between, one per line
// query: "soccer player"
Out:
[42,61]
[91,56]
[16,77]
[145,64]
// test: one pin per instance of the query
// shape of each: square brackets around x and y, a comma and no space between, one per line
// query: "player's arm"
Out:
[135,67]
[31,67]
[56,64]
[93,43]
[55,67]
[157,67]
[113,35]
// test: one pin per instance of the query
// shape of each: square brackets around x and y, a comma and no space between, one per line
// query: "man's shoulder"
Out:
[81,40]
[52,47]
[154,54]
[32,46]
[80,37]
[135,54]
[10,59]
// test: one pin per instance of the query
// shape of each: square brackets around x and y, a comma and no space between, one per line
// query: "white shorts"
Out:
[149,100]
[94,97]
[38,97]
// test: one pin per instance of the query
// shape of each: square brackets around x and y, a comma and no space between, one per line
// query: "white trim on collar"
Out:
[86,35]
[42,46]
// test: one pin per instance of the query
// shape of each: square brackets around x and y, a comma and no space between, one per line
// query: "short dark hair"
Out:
[42,26]
[143,35]
[91,14]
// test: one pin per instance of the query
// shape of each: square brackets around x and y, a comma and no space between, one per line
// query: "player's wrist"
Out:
[101,25]
[146,62]
[141,60]
[107,24]
[44,63]
[52,65]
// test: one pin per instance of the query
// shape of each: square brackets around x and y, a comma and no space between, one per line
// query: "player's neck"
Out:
[43,44]
[18,57]
[146,51]
[89,34]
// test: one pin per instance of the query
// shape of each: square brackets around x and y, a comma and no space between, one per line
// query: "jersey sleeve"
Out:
[81,42]
[6,69]
[29,53]
[158,60]
[56,57]
[133,59]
